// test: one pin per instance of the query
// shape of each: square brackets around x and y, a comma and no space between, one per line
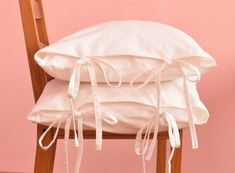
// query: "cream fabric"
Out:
[124,110]
[121,103]
[125,51]
[124,45]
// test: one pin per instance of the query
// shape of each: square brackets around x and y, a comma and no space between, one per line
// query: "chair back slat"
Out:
[35,37]
[36,10]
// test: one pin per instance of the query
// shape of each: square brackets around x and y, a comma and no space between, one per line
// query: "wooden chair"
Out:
[36,37]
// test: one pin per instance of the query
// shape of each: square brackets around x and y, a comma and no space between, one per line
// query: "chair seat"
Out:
[91,134]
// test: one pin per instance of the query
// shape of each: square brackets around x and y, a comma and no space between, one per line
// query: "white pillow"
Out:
[124,110]
[119,104]
[129,47]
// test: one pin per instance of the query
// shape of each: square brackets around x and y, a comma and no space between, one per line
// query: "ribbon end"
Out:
[138,151]
[98,147]
[195,146]
[76,141]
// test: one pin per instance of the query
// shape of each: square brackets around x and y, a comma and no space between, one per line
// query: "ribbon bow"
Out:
[110,119]
[74,84]
[155,75]
[142,146]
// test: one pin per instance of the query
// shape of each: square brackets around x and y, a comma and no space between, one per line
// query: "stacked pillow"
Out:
[123,77]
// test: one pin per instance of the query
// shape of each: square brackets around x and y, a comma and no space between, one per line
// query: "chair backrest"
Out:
[35,38]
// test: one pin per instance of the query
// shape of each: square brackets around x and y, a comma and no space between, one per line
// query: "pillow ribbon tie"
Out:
[66,139]
[184,65]
[155,74]
[142,146]
[110,119]
[45,147]
[80,143]
[90,64]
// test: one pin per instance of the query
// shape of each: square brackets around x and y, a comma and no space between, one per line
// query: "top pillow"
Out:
[127,51]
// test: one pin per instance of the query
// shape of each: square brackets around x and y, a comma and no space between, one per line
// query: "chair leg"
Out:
[44,160]
[176,160]
[161,155]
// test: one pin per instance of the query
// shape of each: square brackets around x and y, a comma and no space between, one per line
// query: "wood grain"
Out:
[161,155]
[35,35]
[44,159]
[32,40]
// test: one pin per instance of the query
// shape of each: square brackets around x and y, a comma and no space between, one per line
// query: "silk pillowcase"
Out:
[125,48]
[124,110]
[118,105]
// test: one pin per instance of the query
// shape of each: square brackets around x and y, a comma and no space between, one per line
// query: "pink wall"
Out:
[210,22]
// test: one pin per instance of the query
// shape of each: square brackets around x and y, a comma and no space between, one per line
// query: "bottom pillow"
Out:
[131,107]
[124,110]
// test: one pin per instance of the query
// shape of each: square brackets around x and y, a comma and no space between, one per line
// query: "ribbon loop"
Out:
[45,147]
[142,146]
[74,82]
[90,64]
[102,65]
[173,131]
[194,76]
[78,133]
[195,72]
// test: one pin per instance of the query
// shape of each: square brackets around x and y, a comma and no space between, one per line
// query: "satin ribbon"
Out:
[66,140]
[74,84]
[45,147]
[78,116]
[142,146]
[155,75]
